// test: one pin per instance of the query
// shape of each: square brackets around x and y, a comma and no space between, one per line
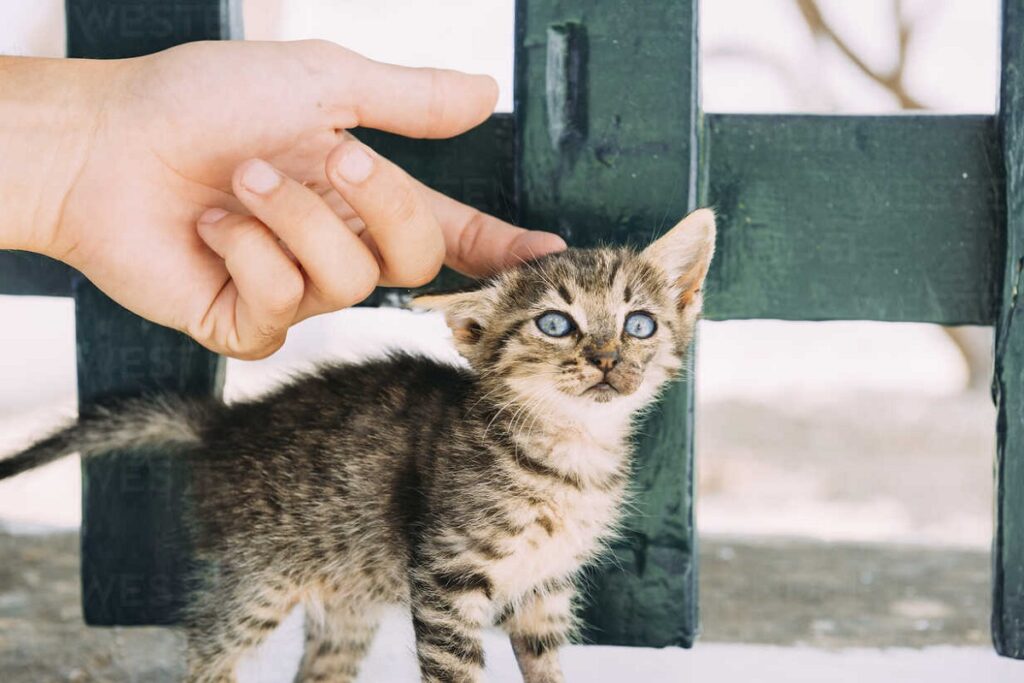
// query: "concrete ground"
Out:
[789,602]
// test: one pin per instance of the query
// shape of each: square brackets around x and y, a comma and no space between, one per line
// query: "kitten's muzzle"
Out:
[602,391]
[604,358]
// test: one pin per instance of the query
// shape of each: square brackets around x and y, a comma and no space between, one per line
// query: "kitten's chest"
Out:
[564,527]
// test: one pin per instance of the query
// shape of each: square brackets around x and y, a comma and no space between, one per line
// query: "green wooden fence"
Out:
[896,218]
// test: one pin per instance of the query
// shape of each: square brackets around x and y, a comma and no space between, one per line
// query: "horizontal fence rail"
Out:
[27,274]
[893,218]
[855,217]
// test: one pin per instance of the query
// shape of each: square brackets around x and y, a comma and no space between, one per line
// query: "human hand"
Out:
[203,160]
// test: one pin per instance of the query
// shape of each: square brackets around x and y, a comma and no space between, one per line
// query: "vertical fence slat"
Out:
[606,109]
[134,555]
[1008,386]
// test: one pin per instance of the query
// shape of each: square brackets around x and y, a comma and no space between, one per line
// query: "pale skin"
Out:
[213,188]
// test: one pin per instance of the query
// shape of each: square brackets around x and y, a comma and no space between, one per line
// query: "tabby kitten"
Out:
[471,495]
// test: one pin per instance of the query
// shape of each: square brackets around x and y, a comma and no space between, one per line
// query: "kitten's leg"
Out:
[226,621]
[337,641]
[448,611]
[537,628]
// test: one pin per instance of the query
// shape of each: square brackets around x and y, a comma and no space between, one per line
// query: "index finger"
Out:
[478,245]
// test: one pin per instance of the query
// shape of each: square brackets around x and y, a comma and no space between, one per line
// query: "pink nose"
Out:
[605,360]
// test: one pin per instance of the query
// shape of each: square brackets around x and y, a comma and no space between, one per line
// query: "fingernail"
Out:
[355,164]
[260,177]
[211,216]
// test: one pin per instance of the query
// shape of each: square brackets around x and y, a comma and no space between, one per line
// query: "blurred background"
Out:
[845,469]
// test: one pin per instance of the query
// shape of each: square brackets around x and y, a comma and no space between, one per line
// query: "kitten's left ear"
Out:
[465,312]
[685,252]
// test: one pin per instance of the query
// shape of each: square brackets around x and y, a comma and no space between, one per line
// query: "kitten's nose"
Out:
[605,359]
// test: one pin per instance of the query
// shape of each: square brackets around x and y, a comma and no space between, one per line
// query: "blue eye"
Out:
[555,324]
[640,325]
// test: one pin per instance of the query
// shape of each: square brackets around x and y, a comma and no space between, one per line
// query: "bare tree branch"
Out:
[891,81]
[903,31]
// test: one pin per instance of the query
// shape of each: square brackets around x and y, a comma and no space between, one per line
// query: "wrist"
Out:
[49,112]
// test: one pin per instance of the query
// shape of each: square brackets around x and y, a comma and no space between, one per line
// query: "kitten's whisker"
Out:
[536,416]
[656,227]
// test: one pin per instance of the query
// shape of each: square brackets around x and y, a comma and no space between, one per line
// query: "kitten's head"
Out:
[588,326]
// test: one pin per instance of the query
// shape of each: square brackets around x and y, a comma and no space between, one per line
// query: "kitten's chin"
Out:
[603,392]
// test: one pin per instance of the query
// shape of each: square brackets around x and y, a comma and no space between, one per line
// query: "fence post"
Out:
[134,554]
[607,127]
[1008,384]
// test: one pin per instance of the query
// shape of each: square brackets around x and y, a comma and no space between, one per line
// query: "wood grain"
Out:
[1008,386]
[855,217]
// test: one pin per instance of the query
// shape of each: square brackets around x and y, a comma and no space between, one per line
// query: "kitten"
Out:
[472,496]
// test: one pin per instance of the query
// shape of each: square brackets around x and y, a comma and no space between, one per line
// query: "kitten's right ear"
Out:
[685,253]
[465,312]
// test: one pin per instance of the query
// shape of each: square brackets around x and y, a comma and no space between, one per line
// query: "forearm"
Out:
[49,109]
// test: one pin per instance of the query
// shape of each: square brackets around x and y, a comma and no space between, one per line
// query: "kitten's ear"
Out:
[685,252]
[465,312]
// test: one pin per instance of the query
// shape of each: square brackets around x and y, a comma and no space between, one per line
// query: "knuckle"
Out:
[266,334]
[258,339]
[248,234]
[363,281]
[358,283]
[304,206]
[259,347]
[472,231]
[362,288]
[286,293]
[437,105]
[318,48]
[405,208]
[420,271]
[421,278]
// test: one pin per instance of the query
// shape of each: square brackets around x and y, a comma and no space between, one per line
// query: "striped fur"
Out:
[165,421]
[473,496]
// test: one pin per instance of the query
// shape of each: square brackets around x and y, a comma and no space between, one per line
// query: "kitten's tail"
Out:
[166,421]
